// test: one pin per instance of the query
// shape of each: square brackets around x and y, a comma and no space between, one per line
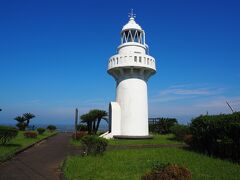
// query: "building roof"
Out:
[131,25]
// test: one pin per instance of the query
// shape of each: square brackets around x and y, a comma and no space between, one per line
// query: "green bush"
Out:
[93,145]
[162,125]
[21,126]
[217,135]
[51,128]
[40,130]
[167,172]
[7,133]
[180,131]
[30,134]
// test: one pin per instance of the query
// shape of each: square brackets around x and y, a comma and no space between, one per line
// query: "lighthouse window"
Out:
[135,58]
[140,59]
[147,60]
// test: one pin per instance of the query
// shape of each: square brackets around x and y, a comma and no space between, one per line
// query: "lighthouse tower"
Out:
[131,68]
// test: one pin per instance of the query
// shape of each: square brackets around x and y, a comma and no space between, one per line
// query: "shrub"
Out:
[162,125]
[93,145]
[168,172]
[30,134]
[180,131]
[51,128]
[217,135]
[7,133]
[188,139]
[40,130]
[21,126]
[82,127]
[79,135]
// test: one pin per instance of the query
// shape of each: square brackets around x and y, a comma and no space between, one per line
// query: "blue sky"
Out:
[54,54]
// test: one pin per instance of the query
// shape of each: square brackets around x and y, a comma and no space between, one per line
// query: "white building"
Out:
[131,67]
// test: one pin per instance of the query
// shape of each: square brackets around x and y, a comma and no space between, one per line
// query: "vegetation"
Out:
[18,143]
[133,163]
[157,139]
[24,120]
[93,145]
[30,134]
[82,127]
[217,135]
[41,130]
[7,133]
[162,125]
[180,131]
[167,172]
[79,135]
[51,127]
[93,119]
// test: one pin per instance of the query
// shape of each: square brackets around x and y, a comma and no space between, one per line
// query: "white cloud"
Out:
[188,101]
[179,92]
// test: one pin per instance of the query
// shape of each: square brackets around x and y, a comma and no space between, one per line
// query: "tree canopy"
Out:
[93,119]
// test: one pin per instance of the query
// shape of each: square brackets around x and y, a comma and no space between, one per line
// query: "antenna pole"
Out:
[230,107]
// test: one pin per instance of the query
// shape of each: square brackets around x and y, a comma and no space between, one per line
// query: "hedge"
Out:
[217,135]
[7,133]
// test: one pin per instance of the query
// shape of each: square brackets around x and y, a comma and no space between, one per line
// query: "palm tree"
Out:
[98,114]
[88,118]
[28,117]
[93,119]
[21,122]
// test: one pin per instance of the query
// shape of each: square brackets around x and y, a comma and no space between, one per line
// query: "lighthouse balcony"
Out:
[132,60]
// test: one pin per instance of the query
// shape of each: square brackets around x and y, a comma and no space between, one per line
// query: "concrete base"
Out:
[132,137]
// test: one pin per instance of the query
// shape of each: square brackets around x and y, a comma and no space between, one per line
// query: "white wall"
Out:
[132,98]
[115,118]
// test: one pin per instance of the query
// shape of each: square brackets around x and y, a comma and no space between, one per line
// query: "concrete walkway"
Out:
[41,162]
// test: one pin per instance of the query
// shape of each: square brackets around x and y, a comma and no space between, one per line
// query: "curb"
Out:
[25,148]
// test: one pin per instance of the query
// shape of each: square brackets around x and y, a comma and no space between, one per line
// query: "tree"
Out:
[163,125]
[93,119]
[88,118]
[21,123]
[28,117]
[98,114]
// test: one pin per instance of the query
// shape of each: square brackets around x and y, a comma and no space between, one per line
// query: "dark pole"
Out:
[230,107]
[76,122]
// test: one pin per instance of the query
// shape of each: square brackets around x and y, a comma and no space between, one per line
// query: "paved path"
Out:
[41,162]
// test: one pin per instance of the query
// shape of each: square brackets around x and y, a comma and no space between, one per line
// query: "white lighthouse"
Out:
[131,68]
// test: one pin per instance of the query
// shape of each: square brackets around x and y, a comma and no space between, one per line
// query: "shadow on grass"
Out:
[174,139]
[190,149]
[10,145]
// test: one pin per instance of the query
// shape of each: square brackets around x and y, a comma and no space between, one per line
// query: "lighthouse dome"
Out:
[131,25]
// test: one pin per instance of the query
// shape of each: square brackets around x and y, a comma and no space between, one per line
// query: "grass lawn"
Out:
[133,163]
[19,143]
[157,139]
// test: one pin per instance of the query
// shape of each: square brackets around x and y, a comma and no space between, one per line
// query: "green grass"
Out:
[157,139]
[132,164]
[18,143]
